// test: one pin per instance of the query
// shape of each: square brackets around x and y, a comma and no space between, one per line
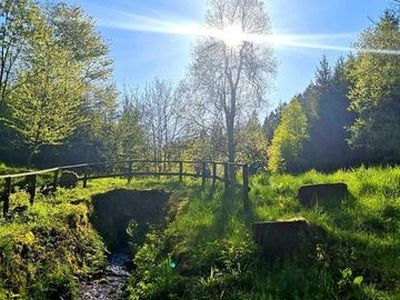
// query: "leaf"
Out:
[358,280]
[346,273]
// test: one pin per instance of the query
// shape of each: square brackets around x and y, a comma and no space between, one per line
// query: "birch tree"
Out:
[162,111]
[232,78]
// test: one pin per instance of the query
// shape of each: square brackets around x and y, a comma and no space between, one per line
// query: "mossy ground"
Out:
[46,249]
[206,249]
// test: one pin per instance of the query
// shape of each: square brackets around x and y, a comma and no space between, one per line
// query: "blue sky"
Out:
[140,54]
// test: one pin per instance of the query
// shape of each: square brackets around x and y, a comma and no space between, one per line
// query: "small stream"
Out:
[111,285]
[113,213]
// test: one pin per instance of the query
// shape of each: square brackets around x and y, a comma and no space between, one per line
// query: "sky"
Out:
[145,42]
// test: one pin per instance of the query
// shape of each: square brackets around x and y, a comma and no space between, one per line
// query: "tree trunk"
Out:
[231,143]
[31,155]
[29,160]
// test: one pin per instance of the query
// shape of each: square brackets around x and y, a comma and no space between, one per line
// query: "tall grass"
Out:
[205,250]
[209,241]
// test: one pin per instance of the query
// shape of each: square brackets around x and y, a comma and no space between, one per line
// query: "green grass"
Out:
[45,250]
[361,235]
[206,251]
[6,169]
[209,243]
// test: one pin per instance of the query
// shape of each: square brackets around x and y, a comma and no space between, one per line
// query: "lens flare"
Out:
[232,35]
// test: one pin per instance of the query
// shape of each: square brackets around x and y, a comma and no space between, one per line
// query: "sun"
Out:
[232,35]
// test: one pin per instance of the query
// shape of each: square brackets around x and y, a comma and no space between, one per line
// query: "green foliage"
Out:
[155,276]
[252,145]
[326,106]
[21,24]
[286,148]
[76,31]
[271,122]
[198,149]
[360,244]
[206,250]
[54,61]
[374,94]
[124,138]
[132,136]
[47,248]
[45,102]
[207,146]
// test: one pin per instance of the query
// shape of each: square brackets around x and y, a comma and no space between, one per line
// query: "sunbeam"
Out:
[233,35]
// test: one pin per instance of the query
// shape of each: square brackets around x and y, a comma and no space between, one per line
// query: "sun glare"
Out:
[232,35]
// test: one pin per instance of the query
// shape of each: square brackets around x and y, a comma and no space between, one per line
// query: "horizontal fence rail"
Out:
[227,172]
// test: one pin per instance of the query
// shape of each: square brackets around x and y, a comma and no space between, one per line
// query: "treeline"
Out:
[59,104]
[349,114]
[56,91]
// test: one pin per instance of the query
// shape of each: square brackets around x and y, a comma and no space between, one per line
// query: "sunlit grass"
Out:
[208,241]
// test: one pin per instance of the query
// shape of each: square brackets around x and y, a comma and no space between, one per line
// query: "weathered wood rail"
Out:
[232,174]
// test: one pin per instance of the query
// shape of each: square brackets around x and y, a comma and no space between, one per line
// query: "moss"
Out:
[46,249]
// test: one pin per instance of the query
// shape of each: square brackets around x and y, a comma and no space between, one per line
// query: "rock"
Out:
[323,194]
[283,237]
[68,179]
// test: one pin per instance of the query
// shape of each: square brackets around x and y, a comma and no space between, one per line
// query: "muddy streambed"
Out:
[114,215]
[111,284]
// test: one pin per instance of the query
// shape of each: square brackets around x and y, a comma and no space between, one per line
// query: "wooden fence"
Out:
[232,174]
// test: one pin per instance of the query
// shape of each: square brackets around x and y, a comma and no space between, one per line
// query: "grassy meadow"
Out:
[205,250]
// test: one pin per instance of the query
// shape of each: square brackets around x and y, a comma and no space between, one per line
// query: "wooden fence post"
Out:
[245,174]
[6,196]
[159,169]
[226,176]
[130,172]
[85,176]
[55,179]
[214,174]
[180,171]
[32,189]
[203,173]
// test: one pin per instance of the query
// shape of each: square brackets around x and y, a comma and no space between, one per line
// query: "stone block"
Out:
[68,179]
[323,194]
[283,237]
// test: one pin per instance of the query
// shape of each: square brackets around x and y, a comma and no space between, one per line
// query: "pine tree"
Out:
[326,104]
[271,122]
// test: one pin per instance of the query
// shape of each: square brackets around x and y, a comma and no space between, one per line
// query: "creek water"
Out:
[110,286]
[113,213]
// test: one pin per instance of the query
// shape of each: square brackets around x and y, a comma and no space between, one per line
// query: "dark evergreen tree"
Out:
[271,122]
[326,105]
